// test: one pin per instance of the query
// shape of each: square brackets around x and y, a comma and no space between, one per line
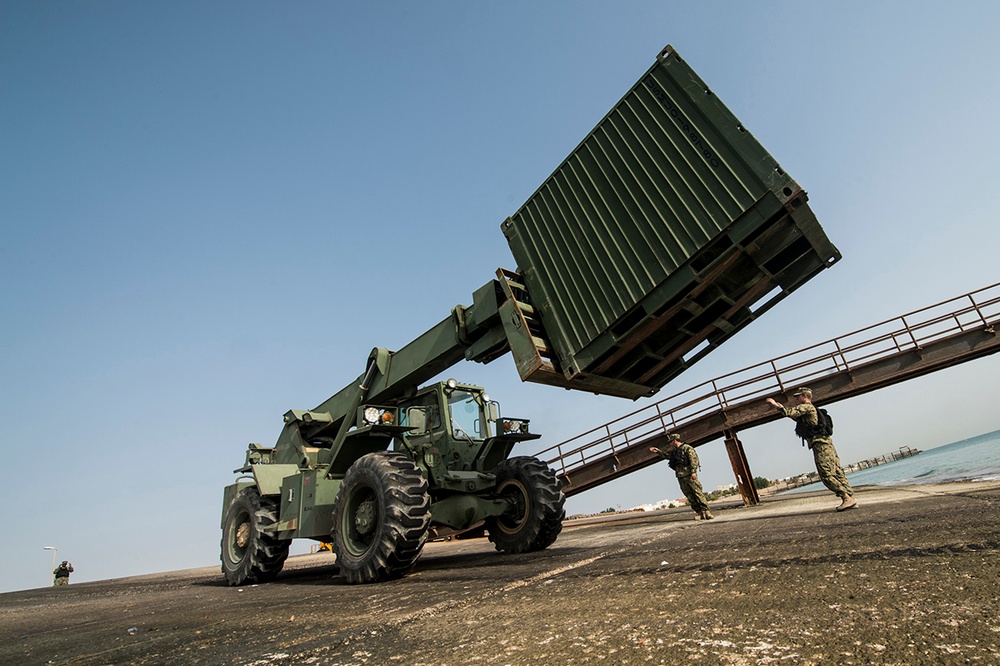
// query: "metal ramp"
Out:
[940,336]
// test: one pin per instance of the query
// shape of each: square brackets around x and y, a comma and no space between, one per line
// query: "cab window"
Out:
[465,416]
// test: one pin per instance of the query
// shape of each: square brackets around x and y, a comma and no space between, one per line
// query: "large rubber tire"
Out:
[535,518]
[380,517]
[249,554]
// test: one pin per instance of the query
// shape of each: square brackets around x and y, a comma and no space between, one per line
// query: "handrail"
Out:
[919,329]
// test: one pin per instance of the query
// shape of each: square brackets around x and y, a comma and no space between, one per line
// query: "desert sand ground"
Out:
[910,577]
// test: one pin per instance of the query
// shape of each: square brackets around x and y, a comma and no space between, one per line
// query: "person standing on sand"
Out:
[683,460]
[62,573]
[827,461]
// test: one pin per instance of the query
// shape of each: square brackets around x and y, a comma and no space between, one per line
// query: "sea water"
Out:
[973,459]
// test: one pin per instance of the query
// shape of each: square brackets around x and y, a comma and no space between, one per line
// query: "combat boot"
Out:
[707,515]
[848,503]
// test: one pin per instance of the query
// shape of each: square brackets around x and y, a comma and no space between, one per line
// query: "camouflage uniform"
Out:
[684,461]
[827,461]
[62,573]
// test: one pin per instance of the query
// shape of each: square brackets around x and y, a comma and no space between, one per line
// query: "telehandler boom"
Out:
[667,230]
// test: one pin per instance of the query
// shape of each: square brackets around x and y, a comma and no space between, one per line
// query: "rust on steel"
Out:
[741,468]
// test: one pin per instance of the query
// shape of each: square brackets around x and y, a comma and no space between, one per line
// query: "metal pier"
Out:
[940,336]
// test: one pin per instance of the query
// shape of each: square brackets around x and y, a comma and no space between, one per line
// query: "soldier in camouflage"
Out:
[62,573]
[683,460]
[827,461]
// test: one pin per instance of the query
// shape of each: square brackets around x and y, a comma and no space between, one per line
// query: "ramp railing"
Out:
[908,333]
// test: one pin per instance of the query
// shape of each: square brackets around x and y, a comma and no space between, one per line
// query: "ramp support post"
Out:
[741,468]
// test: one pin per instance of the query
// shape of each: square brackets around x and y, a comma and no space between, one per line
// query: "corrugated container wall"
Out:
[664,232]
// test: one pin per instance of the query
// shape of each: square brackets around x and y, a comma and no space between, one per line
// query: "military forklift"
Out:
[665,232]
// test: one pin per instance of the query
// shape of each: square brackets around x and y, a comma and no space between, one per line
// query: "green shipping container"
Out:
[667,230]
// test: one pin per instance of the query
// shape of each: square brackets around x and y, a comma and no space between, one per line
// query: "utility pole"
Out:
[55,551]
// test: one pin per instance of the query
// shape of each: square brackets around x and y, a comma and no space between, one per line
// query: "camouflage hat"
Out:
[673,437]
[803,391]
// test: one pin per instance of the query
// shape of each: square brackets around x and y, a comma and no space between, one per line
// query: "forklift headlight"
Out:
[515,426]
[379,415]
[371,415]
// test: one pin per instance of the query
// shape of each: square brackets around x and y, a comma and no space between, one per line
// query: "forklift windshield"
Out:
[465,415]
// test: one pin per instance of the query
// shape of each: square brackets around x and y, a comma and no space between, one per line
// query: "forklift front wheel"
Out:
[534,519]
[380,517]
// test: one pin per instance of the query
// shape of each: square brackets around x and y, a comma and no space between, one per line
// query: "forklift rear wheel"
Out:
[249,554]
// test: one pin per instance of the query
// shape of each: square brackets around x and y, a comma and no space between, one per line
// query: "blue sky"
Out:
[211,212]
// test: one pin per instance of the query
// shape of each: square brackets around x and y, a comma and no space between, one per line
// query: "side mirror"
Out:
[416,418]
[493,410]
